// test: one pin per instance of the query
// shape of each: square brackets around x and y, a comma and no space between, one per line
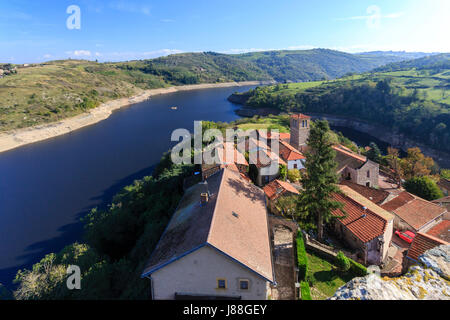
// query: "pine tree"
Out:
[374,153]
[319,182]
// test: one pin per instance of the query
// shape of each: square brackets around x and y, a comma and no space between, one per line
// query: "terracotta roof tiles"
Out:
[421,243]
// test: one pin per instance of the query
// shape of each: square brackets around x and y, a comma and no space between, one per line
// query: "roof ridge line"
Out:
[215,206]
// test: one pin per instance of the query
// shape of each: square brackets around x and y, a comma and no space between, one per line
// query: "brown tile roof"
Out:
[234,222]
[444,183]
[442,200]
[402,199]
[441,230]
[421,243]
[364,224]
[415,211]
[300,116]
[288,152]
[227,153]
[375,195]
[276,188]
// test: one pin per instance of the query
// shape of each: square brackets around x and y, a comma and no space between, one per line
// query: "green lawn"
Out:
[326,280]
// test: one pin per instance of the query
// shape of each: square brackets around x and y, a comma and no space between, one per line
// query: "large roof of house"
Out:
[441,230]
[288,152]
[363,218]
[234,222]
[444,183]
[226,153]
[284,136]
[375,195]
[278,187]
[347,158]
[421,243]
[415,211]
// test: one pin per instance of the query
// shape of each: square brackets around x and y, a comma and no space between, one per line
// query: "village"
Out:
[234,234]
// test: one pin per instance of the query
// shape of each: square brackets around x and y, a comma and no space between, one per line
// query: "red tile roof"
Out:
[300,116]
[375,195]
[276,188]
[415,211]
[285,137]
[421,243]
[441,230]
[288,152]
[364,224]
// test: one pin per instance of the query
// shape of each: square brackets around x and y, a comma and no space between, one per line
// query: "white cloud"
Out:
[167,20]
[98,54]
[79,53]
[47,56]
[130,7]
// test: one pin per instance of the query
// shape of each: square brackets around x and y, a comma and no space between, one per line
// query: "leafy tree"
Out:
[394,163]
[424,187]
[286,205]
[293,175]
[320,179]
[445,173]
[416,164]
[374,153]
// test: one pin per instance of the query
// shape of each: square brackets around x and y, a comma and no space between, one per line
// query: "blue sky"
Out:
[115,30]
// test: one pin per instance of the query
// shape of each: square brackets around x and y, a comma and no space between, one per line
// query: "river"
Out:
[46,187]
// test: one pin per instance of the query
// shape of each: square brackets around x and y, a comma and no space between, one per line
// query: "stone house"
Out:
[444,202]
[216,245]
[356,168]
[363,225]
[299,125]
[414,213]
[293,158]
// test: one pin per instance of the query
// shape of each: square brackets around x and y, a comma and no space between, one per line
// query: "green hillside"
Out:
[413,101]
[54,90]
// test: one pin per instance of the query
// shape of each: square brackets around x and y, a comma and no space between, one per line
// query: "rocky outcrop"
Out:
[427,281]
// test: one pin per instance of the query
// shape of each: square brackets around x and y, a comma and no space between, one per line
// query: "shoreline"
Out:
[20,137]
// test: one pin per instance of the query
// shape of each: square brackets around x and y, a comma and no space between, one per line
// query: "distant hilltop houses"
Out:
[7,69]
[230,239]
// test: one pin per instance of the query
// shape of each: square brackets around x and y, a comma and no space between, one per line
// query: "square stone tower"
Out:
[299,130]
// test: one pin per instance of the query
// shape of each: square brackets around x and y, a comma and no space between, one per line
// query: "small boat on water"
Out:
[174,108]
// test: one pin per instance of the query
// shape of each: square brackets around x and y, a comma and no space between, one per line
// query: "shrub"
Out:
[357,268]
[424,187]
[342,262]
[305,292]
[293,175]
[302,259]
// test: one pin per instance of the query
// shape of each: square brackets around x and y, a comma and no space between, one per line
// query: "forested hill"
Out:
[51,91]
[412,101]
[433,63]
[316,64]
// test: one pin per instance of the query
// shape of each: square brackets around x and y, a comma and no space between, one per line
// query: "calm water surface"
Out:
[46,187]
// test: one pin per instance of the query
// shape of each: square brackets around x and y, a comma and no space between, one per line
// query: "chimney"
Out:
[204,198]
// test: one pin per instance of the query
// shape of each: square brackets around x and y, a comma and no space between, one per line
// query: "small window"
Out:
[243,284]
[368,184]
[295,166]
[221,283]
[368,174]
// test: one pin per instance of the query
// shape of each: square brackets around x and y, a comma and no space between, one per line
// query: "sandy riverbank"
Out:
[20,137]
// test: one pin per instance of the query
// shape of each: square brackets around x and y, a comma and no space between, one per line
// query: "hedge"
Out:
[342,262]
[357,268]
[304,291]
[302,259]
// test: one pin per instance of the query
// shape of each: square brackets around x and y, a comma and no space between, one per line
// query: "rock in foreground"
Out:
[428,281]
